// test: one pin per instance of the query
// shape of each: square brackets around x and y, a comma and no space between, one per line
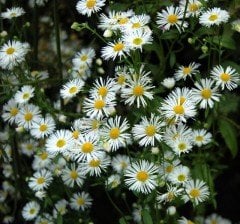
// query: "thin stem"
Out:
[35,27]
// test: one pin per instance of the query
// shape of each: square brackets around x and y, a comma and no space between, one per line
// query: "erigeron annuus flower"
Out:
[121,75]
[168,83]
[81,201]
[137,89]
[90,125]
[120,163]
[10,111]
[138,22]
[28,147]
[196,190]
[113,181]
[94,166]
[84,57]
[173,109]
[137,38]
[148,131]
[167,167]
[170,195]
[24,95]
[216,219]
[12,54]
[59,142]
[180,175]
[194,7]
[86,147]
[40,180]
[225,78]
[183,95]
[71,88]
[186,71]
[43,127]
[73,174]
[206,93]
[13,12]
[87,7]
[182,145]
[60,208]
[28,114]
[201,137]
[115,49]
[141,176]
[214,16]
[171,16]
[30,210]
[114,131]
[41,160]
[97,106]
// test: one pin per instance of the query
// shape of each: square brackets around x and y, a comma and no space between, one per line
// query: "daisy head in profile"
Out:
[88,7]
[214,16]
[12,13]
[141,176]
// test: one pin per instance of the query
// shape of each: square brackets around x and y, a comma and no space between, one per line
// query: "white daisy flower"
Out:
[120,163]
[201,137]
[113,181]
[137,38]
[180,175]
[228,77]
[141,176]
[168,83]
[30,210]
[167,167]
[148,131]
[59,142]
[28,147]
[121,75]
[96,165]
[40,180]
[41,160]
[24,95]
[73,175]
[86,147]
[172,16]
[182,145]
[183,95]
[196,190]
[13,12]
[81,201]
[137,22]
[214,16]
[60,208]
[84,57]
[71,88]
[114,132]
[115,49]
[87,7]
[28,115]
[44,218]
[12,54]
[97,107]
[43,127]
[137,89]
[206,93]
[10,111]
[90,125]
[186,71]
[170,195]
[194,7]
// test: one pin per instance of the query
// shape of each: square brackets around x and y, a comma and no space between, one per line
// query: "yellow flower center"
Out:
[172,18]
[193,7]
[26,96]
[90,3]
[13,14]
[84,57]
[170,196]
[10,50]
[80,201]
[114,133]
[74,174]
[73,90]
[142,176]
[169,168]
[95,124]
[124,165]
[43,127]
[43,156]
[182,146]
[194,193]
[121,79]
[102,91]
[14,111]
[225,77]
[28,116]
[179,109]
[87,147]
[99,104]
[138,90]
[118,47]
[61,143]
[40,180]
[213,17]
[181,177]
[190,222]
[206,93]
[214,221]
[199,138]
[32,211]
[187,70]
[136,25]
[94,163]
[150,130]
[138,41]
[123,21]
[29,147]
[75,134]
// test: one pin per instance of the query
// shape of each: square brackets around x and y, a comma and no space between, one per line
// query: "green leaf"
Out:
[168,35]
[147,219]
[226,41]
[229,134]
[172,59]
[122,221]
